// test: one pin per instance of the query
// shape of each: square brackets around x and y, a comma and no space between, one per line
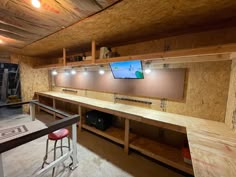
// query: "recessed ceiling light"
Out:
[1,41]
[36,3]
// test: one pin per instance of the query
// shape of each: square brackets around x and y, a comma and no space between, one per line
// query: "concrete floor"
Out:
[97,156]
[8,113]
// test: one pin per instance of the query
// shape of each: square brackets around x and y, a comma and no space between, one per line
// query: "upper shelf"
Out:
[212,53]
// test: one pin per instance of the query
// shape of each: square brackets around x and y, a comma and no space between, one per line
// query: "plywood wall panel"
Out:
[230,118]
[32,80]
[186,41]
[206,93]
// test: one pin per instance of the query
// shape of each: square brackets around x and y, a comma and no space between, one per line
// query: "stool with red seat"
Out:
[56,136]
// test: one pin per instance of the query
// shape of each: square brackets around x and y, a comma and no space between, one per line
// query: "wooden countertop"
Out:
[212,144]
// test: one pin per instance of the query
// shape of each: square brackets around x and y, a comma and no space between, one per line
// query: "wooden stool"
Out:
[56,136]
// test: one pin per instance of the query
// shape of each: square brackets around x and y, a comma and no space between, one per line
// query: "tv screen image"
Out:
[127,70]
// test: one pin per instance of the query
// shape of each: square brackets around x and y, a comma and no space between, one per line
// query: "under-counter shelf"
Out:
[161,152]
[112,133]
[46,110]
[154,149]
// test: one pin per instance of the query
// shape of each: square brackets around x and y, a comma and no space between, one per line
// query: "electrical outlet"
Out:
[163,104]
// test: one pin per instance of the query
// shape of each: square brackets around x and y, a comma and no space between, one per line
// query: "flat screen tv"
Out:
[127,70]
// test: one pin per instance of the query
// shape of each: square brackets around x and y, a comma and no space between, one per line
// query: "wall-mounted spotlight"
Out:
[147,68]
[101,70]
[73,72]
[36,3]
[54,72]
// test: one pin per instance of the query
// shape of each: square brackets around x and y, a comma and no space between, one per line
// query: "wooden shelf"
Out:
[79,63]
[58,65]
[46,110]
[112,133]
[161,152]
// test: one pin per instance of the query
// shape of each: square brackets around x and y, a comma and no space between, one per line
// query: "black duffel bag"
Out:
[98,119]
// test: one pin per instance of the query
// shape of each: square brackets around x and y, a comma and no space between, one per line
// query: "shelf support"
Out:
[93,51]
[64,56]
[126,147]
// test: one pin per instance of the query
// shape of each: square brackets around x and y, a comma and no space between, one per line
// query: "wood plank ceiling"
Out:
[22,24]
[123,22]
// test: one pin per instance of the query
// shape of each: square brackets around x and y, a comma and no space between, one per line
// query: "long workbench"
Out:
[212,144]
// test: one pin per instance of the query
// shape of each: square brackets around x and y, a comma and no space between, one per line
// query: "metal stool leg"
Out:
[68,142]
[46,155]
[61,147]
[55,155]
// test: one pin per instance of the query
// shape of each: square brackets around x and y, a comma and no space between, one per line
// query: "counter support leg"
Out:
[74,142]
[126,136]
[32,111]
[1,166]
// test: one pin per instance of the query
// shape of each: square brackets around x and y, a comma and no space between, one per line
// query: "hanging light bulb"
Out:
[73,72]
[36,3]
[101,70]
[1,41]
[148,69]
[54,72]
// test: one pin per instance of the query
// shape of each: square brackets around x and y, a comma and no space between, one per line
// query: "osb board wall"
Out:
[186,41]
[32,80]
[206,91]
[4,57]
[230,118]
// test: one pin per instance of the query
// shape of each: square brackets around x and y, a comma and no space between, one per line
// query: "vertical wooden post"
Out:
[54,106]
[64,56]
[1,166]
[93,51]
[50,80]
[80,121]
[32,111]
[126,147]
